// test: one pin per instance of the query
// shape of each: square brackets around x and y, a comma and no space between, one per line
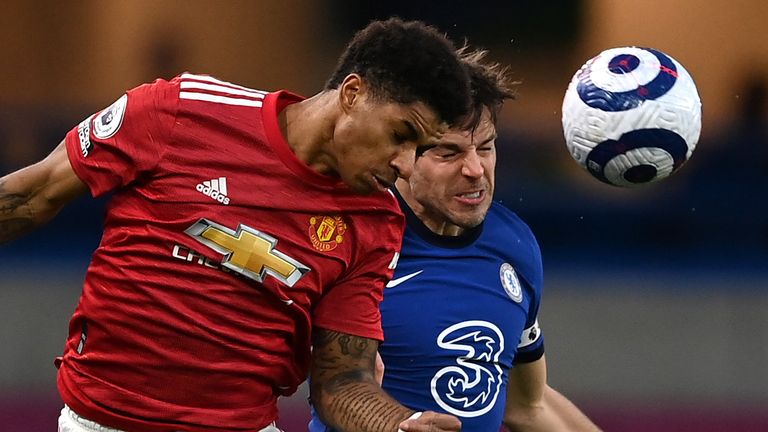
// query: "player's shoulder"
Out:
[519,245]
[500,217]
[367,212]
[377,204]
[207,88]
[375,209]
[377,218]
[201,90]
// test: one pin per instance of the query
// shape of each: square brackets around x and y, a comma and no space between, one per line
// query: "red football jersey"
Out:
[221,250]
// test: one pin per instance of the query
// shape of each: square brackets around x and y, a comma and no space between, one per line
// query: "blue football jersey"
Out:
[458,314]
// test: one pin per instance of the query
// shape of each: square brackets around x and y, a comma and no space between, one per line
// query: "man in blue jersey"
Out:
[461,334]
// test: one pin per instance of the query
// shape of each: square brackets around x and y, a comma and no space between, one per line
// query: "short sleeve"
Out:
[125,141]
[352,305]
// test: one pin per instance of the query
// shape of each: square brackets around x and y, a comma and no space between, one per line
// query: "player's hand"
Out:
[430,421]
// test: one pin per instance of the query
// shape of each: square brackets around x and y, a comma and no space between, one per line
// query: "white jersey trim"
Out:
[530,335]
[212,80]
[220,99]
[200,88]
[220,89]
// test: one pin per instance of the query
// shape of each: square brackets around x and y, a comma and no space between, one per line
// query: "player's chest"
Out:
[231,174]
[248,215]
[450,298]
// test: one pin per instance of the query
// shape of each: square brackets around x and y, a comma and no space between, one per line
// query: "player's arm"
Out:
[532,405]
[33,195]
[347,396]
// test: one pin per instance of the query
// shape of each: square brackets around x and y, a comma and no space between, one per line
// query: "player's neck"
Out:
[436,224]
[440,227]
[308,128]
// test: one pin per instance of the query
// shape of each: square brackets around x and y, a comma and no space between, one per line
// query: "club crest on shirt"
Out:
[326,232]
[510,282]
[108,122]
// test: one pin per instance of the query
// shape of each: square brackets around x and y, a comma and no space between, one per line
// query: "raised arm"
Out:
[33,195]
[347,396]
[533,406]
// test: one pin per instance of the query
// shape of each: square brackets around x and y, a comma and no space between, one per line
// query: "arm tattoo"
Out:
[344,387]
[16,215]
[353,346]
[336,354]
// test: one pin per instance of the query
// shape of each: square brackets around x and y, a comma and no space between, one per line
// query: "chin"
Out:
[473,223]
[467,222]
[361,188]
[473,220]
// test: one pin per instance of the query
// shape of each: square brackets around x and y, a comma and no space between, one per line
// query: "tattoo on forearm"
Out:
[341,381]
[360,406]
[16,217]
[342,376]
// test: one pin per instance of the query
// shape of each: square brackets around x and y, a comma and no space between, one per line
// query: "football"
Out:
[631,116]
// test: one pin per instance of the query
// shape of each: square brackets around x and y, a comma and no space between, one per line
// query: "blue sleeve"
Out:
[531,345]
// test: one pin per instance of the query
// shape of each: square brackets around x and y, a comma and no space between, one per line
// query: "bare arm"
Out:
[33,195]
[532,405]
[347,396]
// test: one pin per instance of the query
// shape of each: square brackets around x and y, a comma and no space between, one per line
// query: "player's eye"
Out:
[399,138]
[424,149]
[485,149]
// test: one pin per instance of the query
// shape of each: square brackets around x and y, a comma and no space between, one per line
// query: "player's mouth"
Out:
[381,184]
[472,197]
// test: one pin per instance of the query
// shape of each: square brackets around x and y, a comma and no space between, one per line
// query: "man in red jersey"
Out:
[244,228]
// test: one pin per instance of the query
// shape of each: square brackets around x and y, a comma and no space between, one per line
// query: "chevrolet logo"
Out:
[248,251]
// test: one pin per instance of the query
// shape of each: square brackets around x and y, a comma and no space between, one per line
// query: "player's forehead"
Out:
[418,120]
[463,137]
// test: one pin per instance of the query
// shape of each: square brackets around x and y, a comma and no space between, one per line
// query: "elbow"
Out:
[320,402]
[17,216]
[520,418]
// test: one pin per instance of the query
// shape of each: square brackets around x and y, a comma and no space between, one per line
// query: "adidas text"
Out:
[213,190]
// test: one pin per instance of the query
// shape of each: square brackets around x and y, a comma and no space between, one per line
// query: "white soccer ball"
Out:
[631,116]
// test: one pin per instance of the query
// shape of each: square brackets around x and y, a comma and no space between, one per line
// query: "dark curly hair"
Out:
[406,62]
[490,85]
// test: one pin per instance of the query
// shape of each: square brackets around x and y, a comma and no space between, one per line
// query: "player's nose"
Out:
[403,162]
[472,165]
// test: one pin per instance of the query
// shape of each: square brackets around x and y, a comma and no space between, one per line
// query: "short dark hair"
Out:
[406,62]
[490,85]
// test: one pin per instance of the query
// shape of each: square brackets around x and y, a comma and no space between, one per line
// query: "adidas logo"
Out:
[215,188]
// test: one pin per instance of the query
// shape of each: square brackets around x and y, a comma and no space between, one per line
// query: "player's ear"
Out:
[351,90]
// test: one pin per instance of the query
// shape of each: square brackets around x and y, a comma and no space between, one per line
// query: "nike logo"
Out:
[398,281]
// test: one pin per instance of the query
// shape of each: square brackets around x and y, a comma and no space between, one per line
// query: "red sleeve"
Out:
[125,141]
[352,305]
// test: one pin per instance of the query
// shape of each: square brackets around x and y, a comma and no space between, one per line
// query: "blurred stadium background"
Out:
[656,300]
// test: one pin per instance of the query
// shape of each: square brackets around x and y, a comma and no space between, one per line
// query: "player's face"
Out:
[452,183]
[376,141]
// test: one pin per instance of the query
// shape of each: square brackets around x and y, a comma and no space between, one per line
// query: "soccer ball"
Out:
[631,116]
